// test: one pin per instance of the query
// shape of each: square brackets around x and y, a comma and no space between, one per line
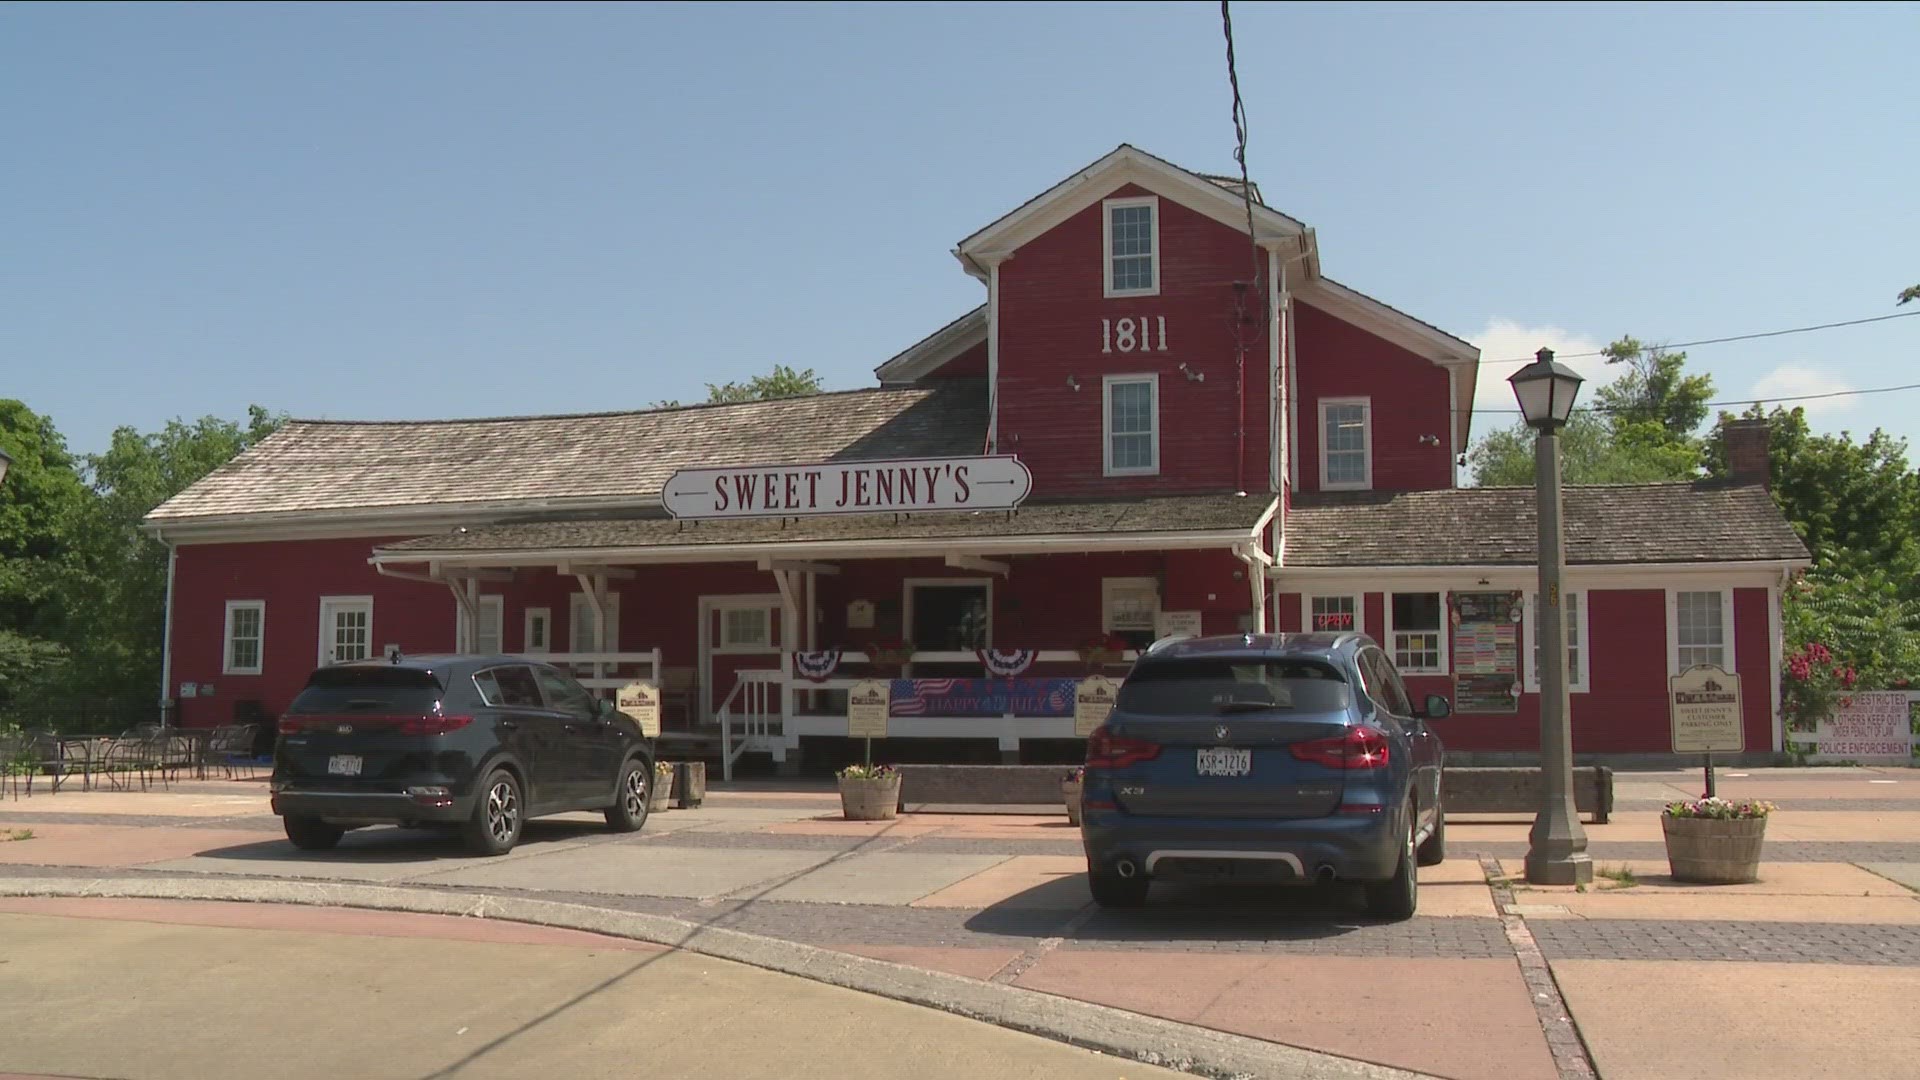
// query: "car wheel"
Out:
[1434,851]
[312,834]
[494,826]
[629,810]
[1110,890]
[1398,896]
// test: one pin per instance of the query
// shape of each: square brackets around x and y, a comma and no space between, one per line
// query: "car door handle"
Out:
[508,725]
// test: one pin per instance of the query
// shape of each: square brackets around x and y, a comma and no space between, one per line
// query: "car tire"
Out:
[1434,851]
[629,810]
[1110,890]
[312,834]
[498,813]
[1398,896]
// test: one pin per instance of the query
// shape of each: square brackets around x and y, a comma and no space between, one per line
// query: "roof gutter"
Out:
[1043,544]
[402,519]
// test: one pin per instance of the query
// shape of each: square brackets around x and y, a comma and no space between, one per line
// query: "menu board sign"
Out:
[1486,654]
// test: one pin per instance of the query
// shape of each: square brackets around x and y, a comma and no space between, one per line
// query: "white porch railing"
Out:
[606,672]
[755,706]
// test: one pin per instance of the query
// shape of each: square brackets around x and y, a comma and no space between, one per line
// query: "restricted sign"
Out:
[1092,701]
[1871,727]
[868,703]
[1705,703]
[641,701]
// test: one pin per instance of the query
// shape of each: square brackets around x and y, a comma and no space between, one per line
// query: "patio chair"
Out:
[129,754]
[230,749]
[13,752]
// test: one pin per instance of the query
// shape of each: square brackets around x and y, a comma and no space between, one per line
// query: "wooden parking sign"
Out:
[1705,704]
[641,701]
[1092,702]
[868,704]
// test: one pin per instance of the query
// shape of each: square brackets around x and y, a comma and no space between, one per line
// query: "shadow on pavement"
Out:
[1180,912]
[390,844]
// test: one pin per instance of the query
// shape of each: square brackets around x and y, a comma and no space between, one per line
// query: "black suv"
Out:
[473,743]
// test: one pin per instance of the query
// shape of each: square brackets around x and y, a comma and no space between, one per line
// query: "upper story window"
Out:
[1346,443]
[1133,246]
[1132,425]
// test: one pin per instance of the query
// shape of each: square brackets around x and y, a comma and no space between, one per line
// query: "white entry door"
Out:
[346,629]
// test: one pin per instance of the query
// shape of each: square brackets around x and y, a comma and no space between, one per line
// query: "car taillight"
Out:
[1359,748]
[434,724]
[427,724]
[1108,751]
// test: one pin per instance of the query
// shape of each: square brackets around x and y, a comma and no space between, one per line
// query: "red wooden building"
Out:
[1216,438]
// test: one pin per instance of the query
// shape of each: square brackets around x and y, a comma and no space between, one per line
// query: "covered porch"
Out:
[755,629]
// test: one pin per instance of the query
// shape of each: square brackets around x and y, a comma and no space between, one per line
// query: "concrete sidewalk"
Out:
[145,990]
[1000,900]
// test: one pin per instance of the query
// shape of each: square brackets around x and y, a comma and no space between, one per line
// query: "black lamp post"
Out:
[1557,846]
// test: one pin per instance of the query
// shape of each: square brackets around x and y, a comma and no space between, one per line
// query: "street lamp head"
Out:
[1546,389]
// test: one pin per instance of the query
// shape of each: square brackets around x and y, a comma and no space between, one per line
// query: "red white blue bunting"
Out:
[817,666]
[1006,663]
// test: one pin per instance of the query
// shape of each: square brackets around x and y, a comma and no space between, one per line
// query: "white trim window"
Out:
[1130,425]
[746,628]
[538,631]
[243,647]
[580,625]
[1416,625]
[1334,614]
[1702,628]
[1346,443]
[1575,605]
[1130,608]
[346,629]
[1131,246]
[491,628]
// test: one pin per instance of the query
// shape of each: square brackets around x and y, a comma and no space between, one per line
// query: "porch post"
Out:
[466,591]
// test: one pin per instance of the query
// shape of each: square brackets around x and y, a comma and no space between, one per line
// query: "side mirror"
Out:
[602,707]
[1437,707]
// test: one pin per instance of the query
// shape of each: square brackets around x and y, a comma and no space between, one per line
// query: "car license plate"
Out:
[1224,761]
[344,765]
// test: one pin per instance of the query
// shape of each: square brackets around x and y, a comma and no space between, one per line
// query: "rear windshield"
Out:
[380,690]
[1207,687]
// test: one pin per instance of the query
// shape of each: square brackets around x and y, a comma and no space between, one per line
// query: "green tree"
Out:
[42,503]
[1856,504]
[1655,389]
[116,584]
[781,382]
[1592,451]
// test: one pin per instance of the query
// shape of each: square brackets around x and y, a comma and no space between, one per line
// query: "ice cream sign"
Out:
[909,485]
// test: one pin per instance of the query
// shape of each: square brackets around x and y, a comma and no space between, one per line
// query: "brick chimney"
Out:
[1746,442]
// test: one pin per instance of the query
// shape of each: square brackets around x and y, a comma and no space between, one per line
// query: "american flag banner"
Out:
[983,697]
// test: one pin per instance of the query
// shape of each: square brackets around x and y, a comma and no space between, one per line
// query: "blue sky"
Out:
[421,211]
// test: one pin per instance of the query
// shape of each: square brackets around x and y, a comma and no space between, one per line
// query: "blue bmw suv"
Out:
[1273,758]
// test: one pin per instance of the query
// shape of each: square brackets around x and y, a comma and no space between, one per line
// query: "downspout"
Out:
[993,357]
[166,630]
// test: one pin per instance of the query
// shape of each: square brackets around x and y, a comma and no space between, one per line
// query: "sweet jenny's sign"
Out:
[996,482]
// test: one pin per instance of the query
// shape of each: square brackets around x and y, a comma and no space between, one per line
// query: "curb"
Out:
[1131,1036]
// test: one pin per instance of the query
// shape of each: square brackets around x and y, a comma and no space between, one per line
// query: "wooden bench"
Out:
[1482,789]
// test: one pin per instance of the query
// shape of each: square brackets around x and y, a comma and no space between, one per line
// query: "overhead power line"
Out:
[1723,340]
[1751,401]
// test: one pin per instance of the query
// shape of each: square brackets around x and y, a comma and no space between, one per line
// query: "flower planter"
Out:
[660,795]
[870,800]
[1070,794]
[689,784]
[1714,851]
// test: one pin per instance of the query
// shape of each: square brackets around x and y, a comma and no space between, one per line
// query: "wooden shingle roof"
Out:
[314,466]
[1605,523]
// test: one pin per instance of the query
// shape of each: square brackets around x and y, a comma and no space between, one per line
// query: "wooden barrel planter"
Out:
[877,799]
[1714,851]
[660,795]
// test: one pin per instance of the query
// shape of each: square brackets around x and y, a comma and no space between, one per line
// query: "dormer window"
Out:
[1133,246]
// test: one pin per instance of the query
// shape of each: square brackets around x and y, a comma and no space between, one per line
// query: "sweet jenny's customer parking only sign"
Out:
[1706,711]
[987,482]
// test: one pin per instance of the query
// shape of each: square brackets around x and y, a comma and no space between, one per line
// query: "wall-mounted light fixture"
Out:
[1192,375]
[1073,382]
[1429,440]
